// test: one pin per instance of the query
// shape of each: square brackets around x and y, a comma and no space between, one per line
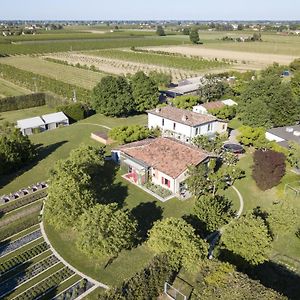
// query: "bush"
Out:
[186,102]
[74,111]
[268,169]
[128,134]
[146,284]
[21,102]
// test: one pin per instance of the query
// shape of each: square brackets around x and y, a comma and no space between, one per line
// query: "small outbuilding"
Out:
[55,120]
[31,125]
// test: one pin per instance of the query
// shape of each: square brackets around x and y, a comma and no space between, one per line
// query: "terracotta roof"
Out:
[183,116]
[213,105]
[169,156]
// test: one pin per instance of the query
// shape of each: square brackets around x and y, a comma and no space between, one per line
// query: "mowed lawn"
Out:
[72,75]
[287,243]
[145,208]
[8,89]
[14,115]
[57,144]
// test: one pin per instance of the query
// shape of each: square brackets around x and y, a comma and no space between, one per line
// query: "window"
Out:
[174,126]
[197,131]
[165,181]
[223,127]
[162,122]
[209,127]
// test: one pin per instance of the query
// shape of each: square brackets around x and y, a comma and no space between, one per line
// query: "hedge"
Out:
[23,201]
[75,111]
[19,225]
[146,284]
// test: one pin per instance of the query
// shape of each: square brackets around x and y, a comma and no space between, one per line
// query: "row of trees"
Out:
[121,96]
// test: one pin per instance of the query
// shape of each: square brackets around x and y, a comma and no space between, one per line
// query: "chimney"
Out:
[184,118]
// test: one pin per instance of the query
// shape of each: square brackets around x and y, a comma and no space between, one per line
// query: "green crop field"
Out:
[178,62]
[68,74]
[272,43]
[49,46]
[8,89]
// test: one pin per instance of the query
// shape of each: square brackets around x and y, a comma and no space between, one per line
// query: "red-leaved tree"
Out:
[268,169]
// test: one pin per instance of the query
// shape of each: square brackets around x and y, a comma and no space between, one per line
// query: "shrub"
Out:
[268,169]
[74,111]
[186,102]
[21,102]
[128,134]
[146,284]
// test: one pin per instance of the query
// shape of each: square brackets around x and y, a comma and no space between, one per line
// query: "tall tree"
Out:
[213,211]
[248,237]
[160,31]
[144,91]
[104,230]
[268,169]
[212,89]
[176,238]
[295,84]
[113,97]
[70,191]
[194,36]
[15,149]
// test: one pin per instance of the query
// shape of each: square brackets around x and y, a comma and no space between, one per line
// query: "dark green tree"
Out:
[16,150]
[295,84]
[177,239]
[144,91]
[213,211]
[161,79]
[104,230]
[194,36]
[160,31]
[212,89]
[113,97]
[186,31]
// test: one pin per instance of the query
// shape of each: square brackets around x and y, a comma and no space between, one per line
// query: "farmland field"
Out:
[124,62]
[49,46]
[79,77]
[8,89]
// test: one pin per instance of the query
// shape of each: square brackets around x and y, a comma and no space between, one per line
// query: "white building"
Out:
[164,161]
[183,124]
[205,107]
[55,120]
[30,125]
[40,124]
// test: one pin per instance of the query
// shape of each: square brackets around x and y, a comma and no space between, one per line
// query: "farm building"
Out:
[164,161]
[55,120]
[188,89]
[31,125]
[284,135]
[205,107]
[40,124]
[183,124]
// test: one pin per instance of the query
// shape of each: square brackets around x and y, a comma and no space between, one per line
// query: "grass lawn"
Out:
[287,243]
[144,208]
[57,144]
[14,115]
[80,77]
[8,89]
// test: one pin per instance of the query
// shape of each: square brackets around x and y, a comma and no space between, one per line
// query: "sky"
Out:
[150,9]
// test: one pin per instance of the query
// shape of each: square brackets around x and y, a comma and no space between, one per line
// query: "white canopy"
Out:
[55,117]
[30,123]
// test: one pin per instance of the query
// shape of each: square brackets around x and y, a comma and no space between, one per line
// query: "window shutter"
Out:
[162,180]
[169,183]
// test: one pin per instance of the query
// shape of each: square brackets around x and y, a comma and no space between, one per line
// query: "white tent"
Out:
[54,120]
[27,125]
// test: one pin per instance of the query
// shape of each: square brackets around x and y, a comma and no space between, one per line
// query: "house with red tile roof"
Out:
[183,124]
[163,161]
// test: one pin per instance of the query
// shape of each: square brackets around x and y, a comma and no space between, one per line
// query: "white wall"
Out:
[200,110]
[156,121]
[272,137]
[157,179]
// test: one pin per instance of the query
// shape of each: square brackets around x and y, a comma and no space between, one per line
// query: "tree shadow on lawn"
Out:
[42,153]
[270,274]
[146,214]
[107,189]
